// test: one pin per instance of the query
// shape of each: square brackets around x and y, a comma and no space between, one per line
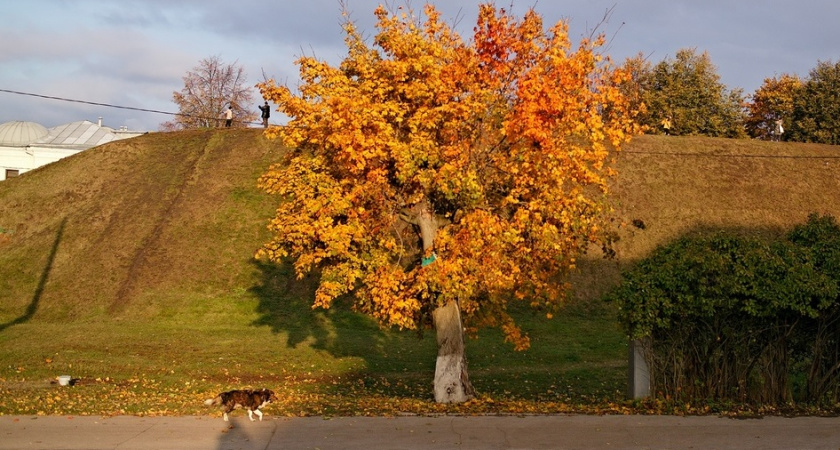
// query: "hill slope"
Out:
[678,184]
[131,267]
[161,212]
[179,212]
[672,185]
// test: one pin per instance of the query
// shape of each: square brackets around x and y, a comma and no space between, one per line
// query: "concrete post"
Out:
[638,374]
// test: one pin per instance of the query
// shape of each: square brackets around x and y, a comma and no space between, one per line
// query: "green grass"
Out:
[321,362]
[130,267]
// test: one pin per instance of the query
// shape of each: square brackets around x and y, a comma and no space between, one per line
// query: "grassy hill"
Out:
[130,266]
[161,213]
[680,185]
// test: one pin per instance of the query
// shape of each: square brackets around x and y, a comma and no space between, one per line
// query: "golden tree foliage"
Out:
[771,102]
[506,139]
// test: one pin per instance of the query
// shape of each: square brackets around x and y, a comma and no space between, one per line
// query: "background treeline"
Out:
[732,318]
[688,90]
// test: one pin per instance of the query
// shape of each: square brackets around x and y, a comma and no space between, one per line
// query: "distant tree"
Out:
[816,106]
[771,102]
[209,88]
[689,92]
[639,70]
[440,180]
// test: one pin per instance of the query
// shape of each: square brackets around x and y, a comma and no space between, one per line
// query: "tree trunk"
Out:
[424,218]
[452,384]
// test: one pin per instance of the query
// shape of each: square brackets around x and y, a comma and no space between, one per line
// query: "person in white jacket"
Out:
[229,116]
[777,132]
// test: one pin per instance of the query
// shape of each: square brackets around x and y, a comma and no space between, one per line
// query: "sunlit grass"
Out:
[153,361]
[153,301]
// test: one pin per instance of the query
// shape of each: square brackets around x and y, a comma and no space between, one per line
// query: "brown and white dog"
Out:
[252,400]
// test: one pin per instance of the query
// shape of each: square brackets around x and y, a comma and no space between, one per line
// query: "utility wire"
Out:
[107,105]
[724,155]
[635,152]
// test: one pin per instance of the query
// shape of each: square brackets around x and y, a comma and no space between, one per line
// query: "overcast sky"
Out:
[134,53]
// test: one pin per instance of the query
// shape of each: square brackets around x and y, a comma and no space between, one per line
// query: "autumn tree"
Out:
[635,87]
[689,91]
[772,101]
[816,106]
[209,88]
[440,180]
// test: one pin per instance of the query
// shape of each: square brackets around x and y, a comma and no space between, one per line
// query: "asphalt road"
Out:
[418,432]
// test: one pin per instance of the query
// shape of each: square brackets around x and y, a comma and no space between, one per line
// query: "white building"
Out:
[27,145]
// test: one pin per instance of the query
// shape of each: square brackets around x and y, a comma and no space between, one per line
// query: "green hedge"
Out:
[728,317]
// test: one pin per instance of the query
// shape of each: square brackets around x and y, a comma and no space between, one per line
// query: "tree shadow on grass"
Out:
[39,291]
[402,358]
[285,305]
[577,356]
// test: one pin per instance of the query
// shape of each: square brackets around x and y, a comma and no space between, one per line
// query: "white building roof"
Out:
[27,145]
[21,134]
[77,134]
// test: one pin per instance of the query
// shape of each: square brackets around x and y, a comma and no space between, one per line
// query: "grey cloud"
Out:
[134,52]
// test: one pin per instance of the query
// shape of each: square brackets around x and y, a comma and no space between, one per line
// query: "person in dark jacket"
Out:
[266,113]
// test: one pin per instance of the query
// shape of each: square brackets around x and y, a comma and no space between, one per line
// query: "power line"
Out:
[90,103]
[108,105]
[636,152]
[719,155]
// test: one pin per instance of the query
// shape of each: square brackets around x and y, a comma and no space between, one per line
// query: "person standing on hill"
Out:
[266,113]
[666,125]
[229,116]
[778,131]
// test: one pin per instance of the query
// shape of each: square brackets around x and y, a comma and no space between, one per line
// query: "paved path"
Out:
[413,432]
